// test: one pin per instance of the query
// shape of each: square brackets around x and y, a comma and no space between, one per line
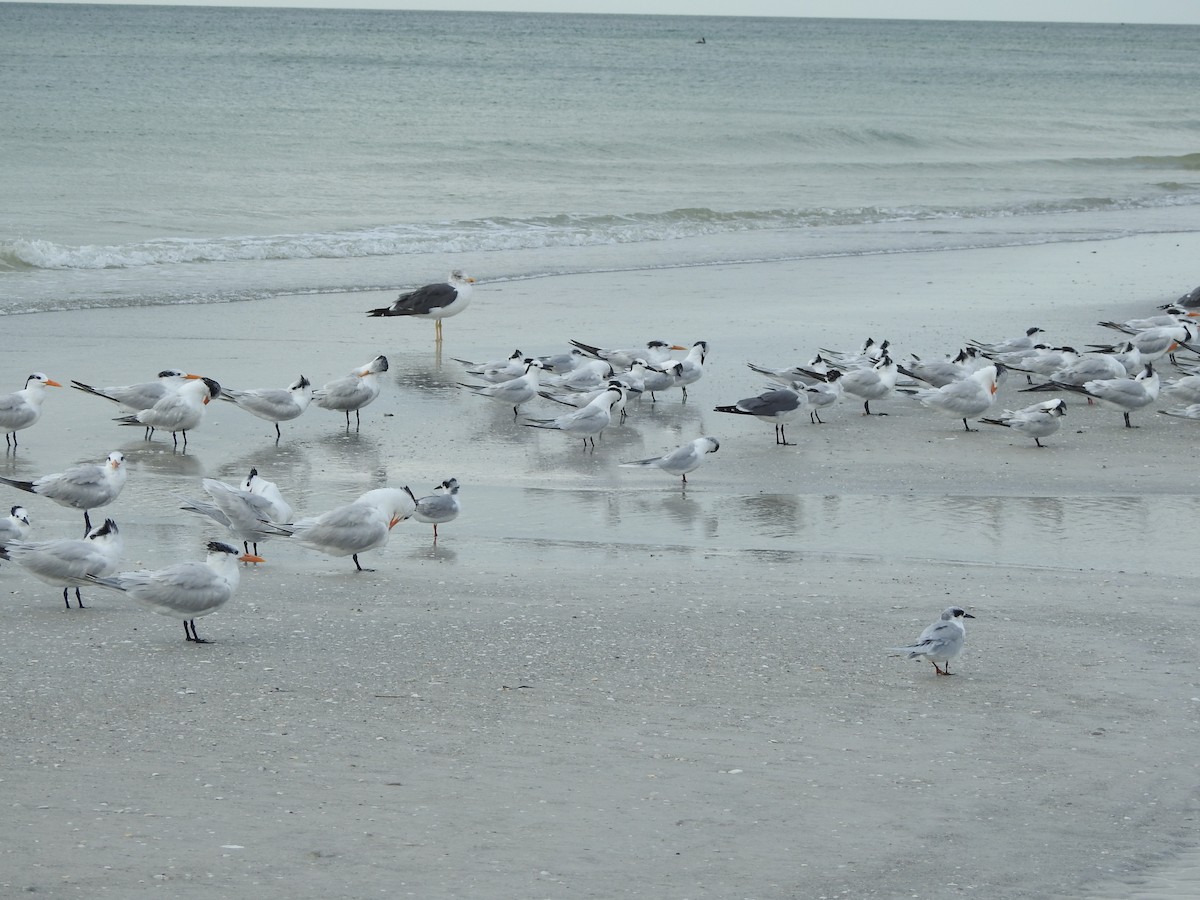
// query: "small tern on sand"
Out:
[1125,394]
[683,459]
[88,486]
[186,590]
[436,509]
[655,353]
[1037,421]
[274,404]
[24,407]
[178,412]
[143,395]
[587,422]
[15,527]
[246,515]
[433,301]
[515,391]
[354,528]
[68,562]
[943,640]
[351,393]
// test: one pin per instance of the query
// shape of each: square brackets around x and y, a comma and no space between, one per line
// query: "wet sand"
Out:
[598,684]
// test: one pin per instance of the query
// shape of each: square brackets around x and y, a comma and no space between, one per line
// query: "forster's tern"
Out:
[515,391]
[67,562]
[15,527]
[351,393]
[178,412]
[187,590]
[86,487]
[356,527]
[1125,394]
[433,301]
[246,515]
[683,459]
[24,407]
[1037,421]
[778,407]
[655,353]
[943,640]
[436,509]
[274,404]
[587,422]
[969,397]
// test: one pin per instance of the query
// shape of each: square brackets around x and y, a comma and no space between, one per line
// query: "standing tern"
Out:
[867,384]
[185,590]
[515,391]
[274,404]
[1037,421]
[354,528]
[778,406]
[587,422]
[942,640]
[246,515]
[88,486]
[15,527]
[433,301]
[68,562]
[683,459]
[436,509]
[178,412]
[351,393]
[24,407]
[691,367]
[143,395]
[1125,394]
[973,395]
[278,509]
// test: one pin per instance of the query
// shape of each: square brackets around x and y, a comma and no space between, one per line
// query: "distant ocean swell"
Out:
[26,254]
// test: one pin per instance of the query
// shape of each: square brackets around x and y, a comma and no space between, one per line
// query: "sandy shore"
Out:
[599,685]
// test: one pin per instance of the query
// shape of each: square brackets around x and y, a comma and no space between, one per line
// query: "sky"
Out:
[1139,11]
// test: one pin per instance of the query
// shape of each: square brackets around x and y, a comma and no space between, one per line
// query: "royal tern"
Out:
[777,406]
[655,353]
[246,515]
[433,301]
[178,412]
[351,393]
[683,459]
[22,408]
[973,395]
[1125,394]
[1037,421]
[587,422]
[274,404]
[87,486]
[436,509]
[278,509]
[15,527]
[1172,315]
[67,562]
[186,590]
[943,640]
[1155,343]
[1021,342]
[356,527]
[143,395]
[515,391]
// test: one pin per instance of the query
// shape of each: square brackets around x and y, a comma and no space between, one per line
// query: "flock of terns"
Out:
[596,384]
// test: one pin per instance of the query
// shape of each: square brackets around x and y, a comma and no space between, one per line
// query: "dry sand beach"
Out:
[597,684]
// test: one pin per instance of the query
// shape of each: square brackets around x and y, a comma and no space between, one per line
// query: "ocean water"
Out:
[176,154]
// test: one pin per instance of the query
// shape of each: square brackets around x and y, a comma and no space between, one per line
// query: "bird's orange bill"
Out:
[250,557]
[50,382]
[396,520]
